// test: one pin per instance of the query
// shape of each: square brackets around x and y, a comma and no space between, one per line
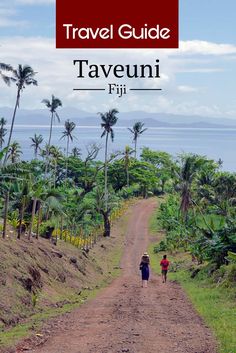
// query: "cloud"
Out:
[205,48]
[34,2]
[8,17]
[6,22]
[57,75]
[187,89]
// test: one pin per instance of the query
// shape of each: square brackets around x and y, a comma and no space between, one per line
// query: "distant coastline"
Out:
[39,117]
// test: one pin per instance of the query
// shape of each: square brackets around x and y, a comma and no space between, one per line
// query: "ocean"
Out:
[213,143]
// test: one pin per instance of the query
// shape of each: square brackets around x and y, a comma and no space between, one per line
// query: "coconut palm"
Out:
[67,133]
[126,159]
[109,119]
[22,76]
[52,106]
[3,131]
[7,68]
[36,142]
[55,155]
[189,167]
[14,152]
[137,130]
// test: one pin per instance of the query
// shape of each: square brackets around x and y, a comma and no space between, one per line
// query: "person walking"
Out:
[165,263]
[144,268]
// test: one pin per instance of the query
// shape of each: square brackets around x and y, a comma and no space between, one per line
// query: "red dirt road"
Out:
[125,317]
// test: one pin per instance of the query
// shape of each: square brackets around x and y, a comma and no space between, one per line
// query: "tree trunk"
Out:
[162,186]
[5,215]
[55,174]
[107,224]
[135,148]
[106,191]
[12,126]
[67,153]
[50,133]
[61,227]
[49,144]
[32,217]
[127,175]
[21,218]
[39,219]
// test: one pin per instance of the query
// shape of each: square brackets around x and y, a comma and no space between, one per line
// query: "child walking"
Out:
[164,268]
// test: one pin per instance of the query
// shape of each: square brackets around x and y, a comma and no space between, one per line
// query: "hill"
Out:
[83,118]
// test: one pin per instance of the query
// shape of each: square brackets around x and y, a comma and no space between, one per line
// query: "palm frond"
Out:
[112,134]
[104,133]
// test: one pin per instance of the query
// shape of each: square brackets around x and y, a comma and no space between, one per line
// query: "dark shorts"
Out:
[164,272]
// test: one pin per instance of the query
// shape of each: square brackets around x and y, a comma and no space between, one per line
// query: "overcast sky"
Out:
[197,79]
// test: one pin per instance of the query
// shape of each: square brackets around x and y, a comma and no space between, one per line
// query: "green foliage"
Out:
[232,256]
[162,246]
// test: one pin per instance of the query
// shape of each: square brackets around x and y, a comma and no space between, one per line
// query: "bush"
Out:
[162,246]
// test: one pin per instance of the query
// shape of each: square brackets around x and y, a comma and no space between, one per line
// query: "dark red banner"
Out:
[120,24]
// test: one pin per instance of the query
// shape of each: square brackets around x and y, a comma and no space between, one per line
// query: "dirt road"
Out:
[128,318]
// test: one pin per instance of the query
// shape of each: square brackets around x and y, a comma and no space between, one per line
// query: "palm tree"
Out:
[14,152]
[55,154]
[137,130]
[52,106]
[126,159]
[3,131]
[67,133]
[190,166]
[109,119]
[36,142]
[22,76]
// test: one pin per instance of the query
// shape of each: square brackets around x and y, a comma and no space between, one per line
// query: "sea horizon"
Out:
[215,143]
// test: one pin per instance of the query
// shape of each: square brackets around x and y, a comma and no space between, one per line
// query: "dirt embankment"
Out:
[125,317]
[37,275]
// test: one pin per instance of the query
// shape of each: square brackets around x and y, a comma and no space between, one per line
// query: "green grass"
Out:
[153,224]
[215,304]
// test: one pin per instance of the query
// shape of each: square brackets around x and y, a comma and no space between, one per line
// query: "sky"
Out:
[196,79]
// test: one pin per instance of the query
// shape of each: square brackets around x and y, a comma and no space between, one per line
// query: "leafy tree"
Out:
[75,152]
[22,76]
[224,196]
[163,163]
[104,208]
[109,119]
[137,130]
[36,142]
